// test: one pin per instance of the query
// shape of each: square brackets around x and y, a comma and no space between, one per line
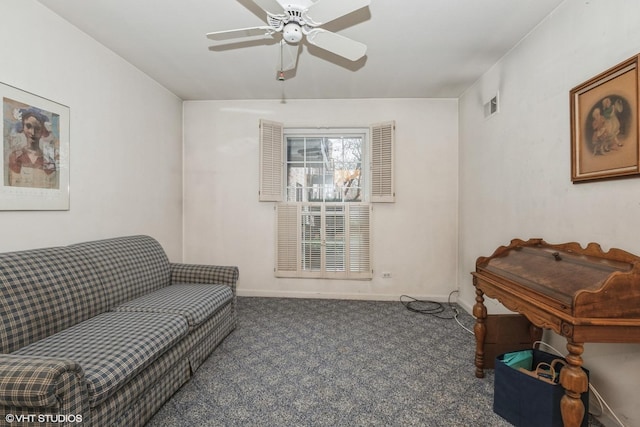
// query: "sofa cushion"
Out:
[129,266]
[44,291]
[113,347]
[193,301]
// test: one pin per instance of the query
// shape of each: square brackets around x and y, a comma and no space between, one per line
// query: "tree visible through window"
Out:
[325,168]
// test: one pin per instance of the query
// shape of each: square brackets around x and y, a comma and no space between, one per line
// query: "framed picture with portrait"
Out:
[604,125]
[35,152]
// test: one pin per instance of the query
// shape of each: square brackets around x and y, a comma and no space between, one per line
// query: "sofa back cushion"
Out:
[44,291]
[128,266]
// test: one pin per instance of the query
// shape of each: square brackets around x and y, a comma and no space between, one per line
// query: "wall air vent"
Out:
[492,107]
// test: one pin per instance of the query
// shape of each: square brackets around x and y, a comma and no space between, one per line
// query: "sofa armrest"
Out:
[42,382]
[207,274]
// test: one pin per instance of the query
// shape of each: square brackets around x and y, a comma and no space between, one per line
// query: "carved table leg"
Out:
[480,331]
[575,382]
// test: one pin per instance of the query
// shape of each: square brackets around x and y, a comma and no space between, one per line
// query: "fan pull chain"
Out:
[281,73]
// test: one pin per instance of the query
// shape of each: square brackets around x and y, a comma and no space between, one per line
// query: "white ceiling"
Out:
[416,48]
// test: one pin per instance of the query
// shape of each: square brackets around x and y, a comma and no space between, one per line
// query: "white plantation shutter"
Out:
[359,240]
[271,161]
[287,220]
[382,153]
[311,239]
[323,240]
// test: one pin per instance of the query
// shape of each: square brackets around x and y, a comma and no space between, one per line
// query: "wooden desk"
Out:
[583,294]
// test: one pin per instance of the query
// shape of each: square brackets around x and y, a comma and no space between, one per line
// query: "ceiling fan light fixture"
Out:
[292,32]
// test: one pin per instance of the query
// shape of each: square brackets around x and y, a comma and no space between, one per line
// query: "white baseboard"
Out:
[465,306]
[346,296]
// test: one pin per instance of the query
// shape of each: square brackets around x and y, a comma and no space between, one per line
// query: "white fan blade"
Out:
[270,6]
[288,56]
[340,45]
[324,11]
[258,32]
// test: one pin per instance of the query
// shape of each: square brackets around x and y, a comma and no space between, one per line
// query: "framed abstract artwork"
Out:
[35,152]
[604,125]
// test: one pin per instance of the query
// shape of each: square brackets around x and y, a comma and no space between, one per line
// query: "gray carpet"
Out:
[301,362]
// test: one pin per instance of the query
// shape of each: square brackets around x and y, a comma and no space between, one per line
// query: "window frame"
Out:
[328,132]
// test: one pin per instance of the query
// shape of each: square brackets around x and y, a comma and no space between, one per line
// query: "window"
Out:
[324,180]
[324,167]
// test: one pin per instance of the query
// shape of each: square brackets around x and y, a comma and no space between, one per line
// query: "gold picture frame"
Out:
[604,125]
[34,172]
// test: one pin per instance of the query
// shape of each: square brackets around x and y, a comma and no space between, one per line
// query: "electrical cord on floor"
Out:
[597,395]
[433,308]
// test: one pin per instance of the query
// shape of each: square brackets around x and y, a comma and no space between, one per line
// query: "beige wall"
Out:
[515,167]
[125,143]
[414,238]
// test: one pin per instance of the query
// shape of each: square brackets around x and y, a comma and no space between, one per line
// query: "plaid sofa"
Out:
[102,333]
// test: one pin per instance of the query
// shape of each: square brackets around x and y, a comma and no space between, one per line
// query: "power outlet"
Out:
[386,275]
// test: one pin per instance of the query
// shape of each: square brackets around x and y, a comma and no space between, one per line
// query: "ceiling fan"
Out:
[293,20]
